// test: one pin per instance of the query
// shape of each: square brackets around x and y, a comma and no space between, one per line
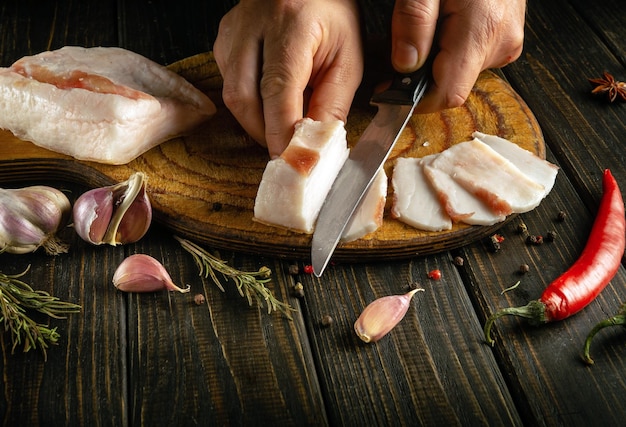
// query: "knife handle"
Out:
[405,89]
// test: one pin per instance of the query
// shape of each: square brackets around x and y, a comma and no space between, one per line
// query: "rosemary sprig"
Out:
[16,297]
[250,284]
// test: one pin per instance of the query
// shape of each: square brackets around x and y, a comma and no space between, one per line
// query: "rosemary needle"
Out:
[16,297]
[250,284]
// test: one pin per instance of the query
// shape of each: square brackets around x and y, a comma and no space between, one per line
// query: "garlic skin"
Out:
[382,315]
[30,217]
[115,214]
[142,273]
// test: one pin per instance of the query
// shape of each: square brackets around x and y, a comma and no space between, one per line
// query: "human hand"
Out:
[471,36]
[281,60]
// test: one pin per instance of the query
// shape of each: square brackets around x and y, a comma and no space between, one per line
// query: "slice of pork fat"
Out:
[294,185]
[490,177]
[539,170]
[415,201]
[369,215]
[102,104]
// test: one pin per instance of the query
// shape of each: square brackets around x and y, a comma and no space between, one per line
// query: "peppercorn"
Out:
[434,274]
[298,290]
[199,299]
[531,239]
[561,216]
[522,228]
[293,270]
[551,236]
[458,261]
[494,243]
[524,268]
[308,269]
[327,321]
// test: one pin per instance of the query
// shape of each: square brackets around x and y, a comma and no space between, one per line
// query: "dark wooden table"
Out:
[158,359]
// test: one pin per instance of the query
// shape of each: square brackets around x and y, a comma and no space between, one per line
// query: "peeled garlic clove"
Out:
[382,315]
[142,273]
[30,217]
[116,214]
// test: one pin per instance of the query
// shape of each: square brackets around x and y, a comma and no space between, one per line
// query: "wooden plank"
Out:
[426,371]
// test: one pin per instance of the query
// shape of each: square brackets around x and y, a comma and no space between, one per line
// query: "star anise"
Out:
[613,89]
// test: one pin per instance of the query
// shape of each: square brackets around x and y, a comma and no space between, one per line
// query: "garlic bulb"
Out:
[116,214]
[30,217]
[382,315]
[142,273]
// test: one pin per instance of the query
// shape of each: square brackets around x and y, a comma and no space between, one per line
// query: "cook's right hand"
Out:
[283,60]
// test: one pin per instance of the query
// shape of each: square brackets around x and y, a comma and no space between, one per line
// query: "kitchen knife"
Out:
[395,106]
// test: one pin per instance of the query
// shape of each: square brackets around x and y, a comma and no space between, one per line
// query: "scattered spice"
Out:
[327,321]
[560,217]
[588,276]
[494,242]
[522,228]
[308,269]
[293,270]
[524,268]
[458,261]
[534,239]
[434,274]
[199,299]
[613,90]
[298,290]
[16,298]
[250,284]
[551,236]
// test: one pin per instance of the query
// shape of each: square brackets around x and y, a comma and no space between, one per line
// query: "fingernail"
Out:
[405,57]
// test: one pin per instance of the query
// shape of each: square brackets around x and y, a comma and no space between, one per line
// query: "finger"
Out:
[239,65]
[285,75]
[456,66]
[333,90]
[413,25]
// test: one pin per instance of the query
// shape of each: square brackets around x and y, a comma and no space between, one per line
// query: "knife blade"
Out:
[395,107]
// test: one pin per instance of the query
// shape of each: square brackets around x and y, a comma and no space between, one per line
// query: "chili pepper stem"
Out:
[619,319]
[535,311]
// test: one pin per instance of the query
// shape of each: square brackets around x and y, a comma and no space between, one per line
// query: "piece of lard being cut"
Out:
[368,216]
[415,201]
[539,170]
[295,185]
[490,177]
[103,104]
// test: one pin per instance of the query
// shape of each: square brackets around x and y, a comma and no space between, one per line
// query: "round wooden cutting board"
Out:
[203,185]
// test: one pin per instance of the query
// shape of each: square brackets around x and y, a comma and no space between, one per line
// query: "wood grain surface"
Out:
[203,185]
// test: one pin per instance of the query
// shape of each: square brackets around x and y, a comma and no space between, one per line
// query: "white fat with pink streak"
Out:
[289,198]
[414,200]
[369,215]
[483,172]
[100,127]
[460,204]
[537,169]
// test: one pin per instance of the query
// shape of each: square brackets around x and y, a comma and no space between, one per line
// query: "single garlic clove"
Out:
[142,273]
[117,214]
[30,217]
[382,315]
[92,214]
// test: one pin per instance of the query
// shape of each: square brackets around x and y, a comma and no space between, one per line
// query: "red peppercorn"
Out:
[434,274]
[308,269]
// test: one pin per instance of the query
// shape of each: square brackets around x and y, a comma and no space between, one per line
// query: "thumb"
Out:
[413,25]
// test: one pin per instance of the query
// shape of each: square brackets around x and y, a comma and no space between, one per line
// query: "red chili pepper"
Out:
[589,275]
